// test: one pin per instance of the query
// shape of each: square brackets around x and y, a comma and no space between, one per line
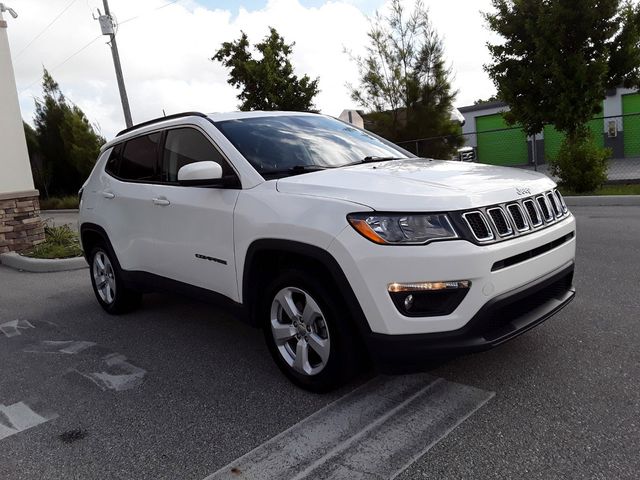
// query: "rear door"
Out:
[124,200]
[193,226]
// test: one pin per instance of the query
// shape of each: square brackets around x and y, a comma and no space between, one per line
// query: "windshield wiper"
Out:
[372,159]
[296,169]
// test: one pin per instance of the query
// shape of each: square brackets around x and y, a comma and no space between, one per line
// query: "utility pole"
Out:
[107,27]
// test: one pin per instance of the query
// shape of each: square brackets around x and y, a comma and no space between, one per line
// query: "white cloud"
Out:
[165,52]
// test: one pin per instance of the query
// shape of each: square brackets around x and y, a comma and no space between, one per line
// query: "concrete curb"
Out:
[603,201]
[62,210]
[41,265]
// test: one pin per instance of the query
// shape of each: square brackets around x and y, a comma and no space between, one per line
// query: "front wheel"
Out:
[308,334]
[114,297]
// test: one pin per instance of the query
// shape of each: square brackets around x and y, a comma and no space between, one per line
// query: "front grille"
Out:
[532,211]
[500,221]
[479,226]
[544,208]
[518,217]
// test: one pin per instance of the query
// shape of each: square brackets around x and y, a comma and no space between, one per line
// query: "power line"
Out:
[46,28]
[76,53]
[58,65]
[149,11]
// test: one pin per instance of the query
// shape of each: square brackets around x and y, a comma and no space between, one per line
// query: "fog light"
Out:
[428,299]
[408,302]
[427,286]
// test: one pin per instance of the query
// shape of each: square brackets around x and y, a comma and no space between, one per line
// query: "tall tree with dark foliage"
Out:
[266,82]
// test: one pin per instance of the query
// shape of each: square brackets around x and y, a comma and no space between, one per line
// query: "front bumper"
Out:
[493,270]
[499,320]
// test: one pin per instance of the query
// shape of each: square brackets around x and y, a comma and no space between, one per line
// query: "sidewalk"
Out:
[57,218]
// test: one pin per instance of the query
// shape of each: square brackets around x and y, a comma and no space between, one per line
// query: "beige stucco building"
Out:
[20,224]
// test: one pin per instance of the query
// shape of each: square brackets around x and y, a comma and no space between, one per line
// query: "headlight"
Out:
[402,229]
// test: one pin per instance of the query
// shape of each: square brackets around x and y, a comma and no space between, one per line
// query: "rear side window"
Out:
[184,146]
[139,158]
[113,163]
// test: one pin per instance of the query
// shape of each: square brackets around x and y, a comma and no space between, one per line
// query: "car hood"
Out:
[418,184]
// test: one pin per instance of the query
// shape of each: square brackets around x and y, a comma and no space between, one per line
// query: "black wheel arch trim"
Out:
[246,309]
[92,227]
[149,282]
[314,253]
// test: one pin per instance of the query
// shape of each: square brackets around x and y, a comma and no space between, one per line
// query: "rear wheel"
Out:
[308,334]
[114,297]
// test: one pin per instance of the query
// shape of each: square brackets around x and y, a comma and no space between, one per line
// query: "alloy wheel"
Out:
[104,277]
[300,331]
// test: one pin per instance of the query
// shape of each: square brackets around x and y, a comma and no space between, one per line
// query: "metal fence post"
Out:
[534,152]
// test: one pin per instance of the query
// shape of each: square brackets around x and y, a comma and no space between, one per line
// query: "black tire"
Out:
[122,299]
[333,320]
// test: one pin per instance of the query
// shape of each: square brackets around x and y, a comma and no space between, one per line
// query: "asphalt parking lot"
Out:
[179,389]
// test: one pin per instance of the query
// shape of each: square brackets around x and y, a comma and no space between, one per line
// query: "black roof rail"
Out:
[160,119]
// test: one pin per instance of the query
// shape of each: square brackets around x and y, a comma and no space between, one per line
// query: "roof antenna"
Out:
[163,112]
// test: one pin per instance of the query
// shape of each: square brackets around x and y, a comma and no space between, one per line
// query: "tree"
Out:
[41,175]
[267,83]
[67,144]
[405,82]
[492,98]
[555,62]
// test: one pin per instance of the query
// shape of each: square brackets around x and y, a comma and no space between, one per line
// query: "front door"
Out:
[193,226]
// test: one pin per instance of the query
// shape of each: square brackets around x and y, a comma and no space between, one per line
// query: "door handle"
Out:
[109,195]
[161,201]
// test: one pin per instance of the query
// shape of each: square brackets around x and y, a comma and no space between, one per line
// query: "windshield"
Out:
[297,143]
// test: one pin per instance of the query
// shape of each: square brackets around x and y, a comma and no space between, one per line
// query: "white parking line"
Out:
[69,347]
[12,328]
[374,432]
[123,376]
[20,417]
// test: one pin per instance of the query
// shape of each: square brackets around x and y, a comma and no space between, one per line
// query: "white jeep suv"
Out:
[342,246]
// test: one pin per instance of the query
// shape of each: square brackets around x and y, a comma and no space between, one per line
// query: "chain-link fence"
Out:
[511,146]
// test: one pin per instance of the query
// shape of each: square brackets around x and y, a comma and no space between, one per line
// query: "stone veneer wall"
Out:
[20,225]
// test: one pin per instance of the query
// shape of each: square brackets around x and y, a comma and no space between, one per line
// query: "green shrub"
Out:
[60,242]
[59,203]
[581,165]
[617,189]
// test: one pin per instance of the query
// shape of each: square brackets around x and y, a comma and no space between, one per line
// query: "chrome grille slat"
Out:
[553,201]
[479,226]
[545,209]
[518,217]
[500,222]
[532,211]
[561,200]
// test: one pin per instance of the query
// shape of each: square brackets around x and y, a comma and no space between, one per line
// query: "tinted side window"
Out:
[139,158]
[184,146]
[114,160]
